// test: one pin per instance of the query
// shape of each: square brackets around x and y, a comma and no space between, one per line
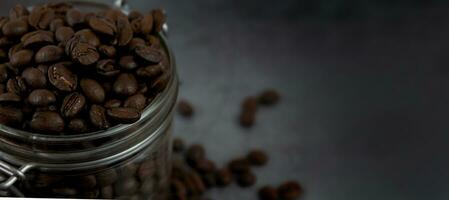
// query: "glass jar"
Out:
[124,162]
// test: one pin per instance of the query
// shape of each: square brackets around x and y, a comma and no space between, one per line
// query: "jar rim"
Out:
[148,112]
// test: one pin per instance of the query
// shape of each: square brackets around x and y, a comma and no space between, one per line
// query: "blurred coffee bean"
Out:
[125,85]
[107,51]
[146,170]
[249,104]
[15,28]
[62,78]
[224,177]
[18,11]
[247,118]
[77,125]
[102,26]
[22,58]
[41,97]
[149,54]
[269,97]
[124,31]
[72,104]
[136,42]
[205,166]
[47,122]
[290,190]
[147,24]
[178,145]
[185,108]
[97,115]
[194,183]
[195,153]
[209,179]
[134,14]
[246,179]
[9,98]
[128,63]
[74,17]
[239,165]
[10,116]
[41,17]
[37,38]
[34,78]
[55,24]
[93,90]
[85,182]
[268,193]
[63,34]
[257,157]
[159,19]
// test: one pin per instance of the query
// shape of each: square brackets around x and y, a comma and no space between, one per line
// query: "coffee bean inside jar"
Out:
[75,85]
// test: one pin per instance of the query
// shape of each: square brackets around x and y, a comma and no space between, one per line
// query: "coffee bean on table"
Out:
[48,53]
[290,190]
[72,104]
[247,118]
[239,165]
[195,153]
[178,145]
[249,104]
[246,179]
[125,85]
[22,58]
[97,116]
[34,78]
[194,183]
[123,115]
[269,97]
[41,97]
[93,90]
[137,101]
[15,28]
[257,157]
[224,177]
[10,116]
[47,122]
[268,193]
[185,108]
[77,125]
[62,78]
[205,166]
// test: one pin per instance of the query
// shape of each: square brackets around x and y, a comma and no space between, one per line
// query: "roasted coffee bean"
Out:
[113,103]
[126,187]
[3,73]
[18,11]
[135,42]
[55,24]
[268,193]
[257,158]
[205,166]
[125,85]
[77,125]
[159,19]
[143,89]
[146,24]
[107,68]
[149,53]
[37,38]
[102,26]
[249,104]
[62,78]
[247,118]
[74,17]
[137,101]
[239,165]
[73,104]
[63,34]
[34,78]
[42,68]
[154,41]
[269,97]
[41,17]
[5,42]
[107,51]
[195,153]
[246,179]
[107,192]
[128,63]
[185,108]
[134,14]
[224,177]
[150,71]
[48,53]
[47,122]
[85,54]
[9,98]
[124,31]
[16,85]
[93,90]
[10,116]
[97,115]
[88,36]
[178,145]
[123,115]
[41,97]
[160,83]
[136,25]
[60,8]
[15,28]
[106,177]
[290,190]
[22,58]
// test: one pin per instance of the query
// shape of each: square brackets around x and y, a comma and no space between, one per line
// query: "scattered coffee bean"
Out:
[224,177]
[247,119]
[239,165]
[269,97]
[268,193]
[290,190]
[257,157]
[185,108]
[205,166]
[195,153]
[248,113]
[178,145]
[246,179]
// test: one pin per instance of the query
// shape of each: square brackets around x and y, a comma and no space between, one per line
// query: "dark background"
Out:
[365,90]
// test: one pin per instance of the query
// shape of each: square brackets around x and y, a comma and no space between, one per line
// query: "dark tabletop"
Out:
[364,106]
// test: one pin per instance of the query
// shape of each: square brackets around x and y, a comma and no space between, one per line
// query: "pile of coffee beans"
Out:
[250,105]
[66,71]
[193,174]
